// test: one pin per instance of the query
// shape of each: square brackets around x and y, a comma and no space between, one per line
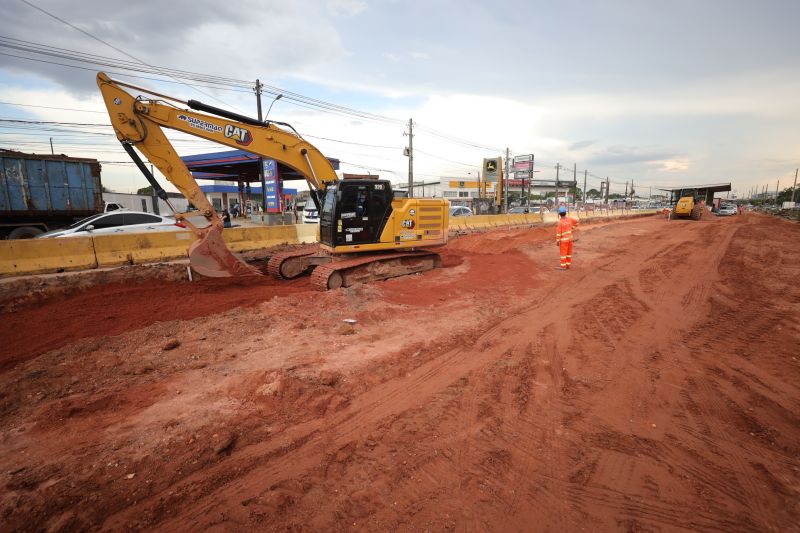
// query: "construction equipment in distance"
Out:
[366,231]
[689,207]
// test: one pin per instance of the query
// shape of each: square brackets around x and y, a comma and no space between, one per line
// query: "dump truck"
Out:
[42,192]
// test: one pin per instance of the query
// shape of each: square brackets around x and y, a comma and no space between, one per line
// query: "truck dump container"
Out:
[40,192]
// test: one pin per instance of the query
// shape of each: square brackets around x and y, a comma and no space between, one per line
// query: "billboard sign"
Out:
[491,169]
[522,174]
[551,184]
[523,163]
[272,186]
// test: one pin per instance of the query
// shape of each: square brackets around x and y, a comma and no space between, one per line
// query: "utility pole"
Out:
[608,184]
[626,194]
[530,181]
[777,185]
[410,158]
[794,187]
[53,152]
[504,179]
[585,173]
[261,159]
[575,179]
[558,167]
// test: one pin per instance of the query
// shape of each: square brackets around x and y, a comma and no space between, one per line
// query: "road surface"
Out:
[653,387]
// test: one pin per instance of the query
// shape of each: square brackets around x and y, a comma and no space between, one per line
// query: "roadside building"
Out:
[460,191]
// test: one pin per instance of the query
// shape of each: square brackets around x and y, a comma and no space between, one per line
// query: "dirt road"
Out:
[652,388]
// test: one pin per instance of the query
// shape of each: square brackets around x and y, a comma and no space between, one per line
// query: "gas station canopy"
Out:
[706,191]
[234,165]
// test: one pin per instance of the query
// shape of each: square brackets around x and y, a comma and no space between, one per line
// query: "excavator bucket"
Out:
[211,257]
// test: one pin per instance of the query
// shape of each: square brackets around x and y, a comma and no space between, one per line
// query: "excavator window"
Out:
[360,214]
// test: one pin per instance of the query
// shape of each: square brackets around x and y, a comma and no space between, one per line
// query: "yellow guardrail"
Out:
[253,238]
[46,255]
[33,256]
[135,248]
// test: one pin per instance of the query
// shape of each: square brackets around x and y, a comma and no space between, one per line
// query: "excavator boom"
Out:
[139,122]
[367,231]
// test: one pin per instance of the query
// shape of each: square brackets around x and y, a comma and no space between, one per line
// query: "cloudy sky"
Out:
[661,93]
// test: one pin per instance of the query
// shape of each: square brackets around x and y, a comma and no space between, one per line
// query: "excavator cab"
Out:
[355,212]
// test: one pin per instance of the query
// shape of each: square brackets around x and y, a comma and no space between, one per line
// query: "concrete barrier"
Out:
[137,248]
[34,256]
[307,233]
[254,238]
[29,256]
[459,223]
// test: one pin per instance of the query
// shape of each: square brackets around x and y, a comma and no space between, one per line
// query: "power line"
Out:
[48,107]
[354,143]
[123,52]
[473,165]
[160,80]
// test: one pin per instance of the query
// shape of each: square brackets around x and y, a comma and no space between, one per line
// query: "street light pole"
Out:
[261,159]
[273,103]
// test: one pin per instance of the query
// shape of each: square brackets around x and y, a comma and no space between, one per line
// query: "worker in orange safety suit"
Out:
[564,236]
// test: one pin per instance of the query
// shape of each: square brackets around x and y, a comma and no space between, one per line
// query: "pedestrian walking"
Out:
[564,236]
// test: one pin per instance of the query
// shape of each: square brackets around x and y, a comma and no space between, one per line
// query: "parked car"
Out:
[460,211]
[727,210]
[310,214]
[519,210]
[122,221]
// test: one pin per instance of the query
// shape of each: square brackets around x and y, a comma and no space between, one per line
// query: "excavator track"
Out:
[346,272]
[276,266]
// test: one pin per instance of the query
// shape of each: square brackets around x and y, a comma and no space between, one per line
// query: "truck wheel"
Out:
[26,232]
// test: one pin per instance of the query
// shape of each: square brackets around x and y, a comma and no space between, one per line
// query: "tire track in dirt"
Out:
[725,418]
[366,411]
[585,402]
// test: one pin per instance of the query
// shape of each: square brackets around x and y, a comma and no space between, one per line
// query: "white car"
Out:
[727,210]
[115,222]
[310,214]
[460,211]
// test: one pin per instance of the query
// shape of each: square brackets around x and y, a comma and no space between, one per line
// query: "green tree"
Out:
[786,195]
[592,193]
[148,191]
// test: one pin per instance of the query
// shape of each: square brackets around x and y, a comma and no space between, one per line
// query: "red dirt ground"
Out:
[653,387]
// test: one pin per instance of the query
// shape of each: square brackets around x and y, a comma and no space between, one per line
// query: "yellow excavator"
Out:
[366,231]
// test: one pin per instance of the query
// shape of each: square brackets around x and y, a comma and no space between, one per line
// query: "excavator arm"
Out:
[139,121]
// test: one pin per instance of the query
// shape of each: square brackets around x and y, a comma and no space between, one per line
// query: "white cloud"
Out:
[670,165]
[346,8]
[688,92]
